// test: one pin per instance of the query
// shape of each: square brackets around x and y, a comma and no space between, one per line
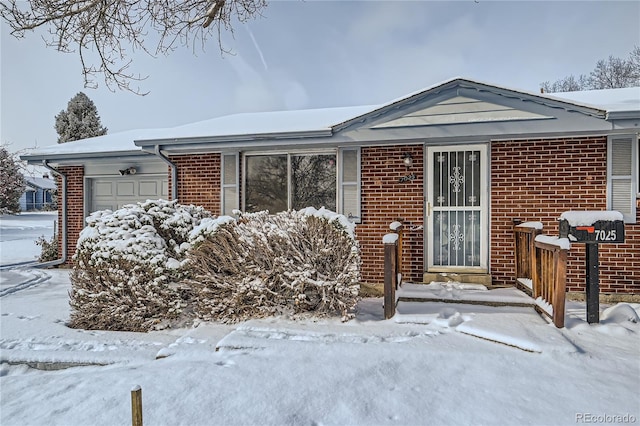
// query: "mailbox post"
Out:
[592,228]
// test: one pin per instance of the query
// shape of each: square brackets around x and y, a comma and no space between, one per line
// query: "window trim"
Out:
[338,152]
[356,218]
[223,186]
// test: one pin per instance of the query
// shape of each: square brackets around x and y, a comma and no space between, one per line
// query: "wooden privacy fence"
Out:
[549,279]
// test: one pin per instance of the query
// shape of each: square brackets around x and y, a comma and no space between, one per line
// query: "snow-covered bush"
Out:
[126,264]
[285,264]
[48,248]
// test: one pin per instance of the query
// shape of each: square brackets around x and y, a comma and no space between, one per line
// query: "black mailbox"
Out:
[599,232]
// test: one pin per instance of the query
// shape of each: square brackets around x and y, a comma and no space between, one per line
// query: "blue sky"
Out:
[316,54]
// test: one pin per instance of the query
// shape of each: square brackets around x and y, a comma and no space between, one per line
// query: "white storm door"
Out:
[457,201]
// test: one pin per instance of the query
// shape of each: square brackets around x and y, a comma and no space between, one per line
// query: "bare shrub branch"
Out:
[285,264]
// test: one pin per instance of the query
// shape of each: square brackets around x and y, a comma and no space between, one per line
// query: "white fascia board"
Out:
[79,157]
[168,144]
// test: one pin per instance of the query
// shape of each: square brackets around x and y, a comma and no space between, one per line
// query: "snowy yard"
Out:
[18,234]
[426,366]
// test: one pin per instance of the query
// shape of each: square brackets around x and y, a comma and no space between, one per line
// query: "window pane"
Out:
[313,178]
[266,183]
[230,197]
[350,200]
[229,169]
[349,166]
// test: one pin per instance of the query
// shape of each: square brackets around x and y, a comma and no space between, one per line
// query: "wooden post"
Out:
[593,283]
[390,274]
[536,271]
[560,289]
[399,254]
[136,406]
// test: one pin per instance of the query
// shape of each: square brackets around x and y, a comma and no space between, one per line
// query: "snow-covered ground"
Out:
[433,363]
[18,234]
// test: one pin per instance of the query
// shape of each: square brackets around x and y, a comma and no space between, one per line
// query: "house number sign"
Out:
[407,178]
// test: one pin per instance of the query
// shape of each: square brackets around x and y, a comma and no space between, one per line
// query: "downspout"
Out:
[63,226]
[174,172]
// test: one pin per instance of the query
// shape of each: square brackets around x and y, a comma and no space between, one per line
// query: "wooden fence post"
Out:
[136,406]
[397,227]
[560,288]
[390,274]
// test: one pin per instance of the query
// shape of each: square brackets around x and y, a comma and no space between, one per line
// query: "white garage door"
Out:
[113,193]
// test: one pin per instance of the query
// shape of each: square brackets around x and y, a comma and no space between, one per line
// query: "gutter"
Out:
[78,157]
[250,137]
[63,226]
[174,171]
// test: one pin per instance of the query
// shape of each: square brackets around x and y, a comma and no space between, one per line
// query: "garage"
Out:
[114,192]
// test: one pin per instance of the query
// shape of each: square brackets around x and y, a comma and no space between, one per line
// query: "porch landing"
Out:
[467,293]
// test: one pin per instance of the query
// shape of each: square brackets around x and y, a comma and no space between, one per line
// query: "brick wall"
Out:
[198,180]
[75,207]
[537,180]
[531,180]
[384,200]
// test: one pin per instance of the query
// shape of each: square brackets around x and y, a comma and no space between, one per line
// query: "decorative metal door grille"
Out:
[457,208]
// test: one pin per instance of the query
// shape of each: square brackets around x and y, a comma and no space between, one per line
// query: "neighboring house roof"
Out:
[612,100]
[324,122]
[39,183]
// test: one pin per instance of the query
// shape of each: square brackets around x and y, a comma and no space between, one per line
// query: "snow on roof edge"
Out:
[131,140]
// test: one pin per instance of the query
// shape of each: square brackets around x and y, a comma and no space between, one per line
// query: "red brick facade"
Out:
[531,180]
[384,200]
[198,180]
[75,207]
[537,180]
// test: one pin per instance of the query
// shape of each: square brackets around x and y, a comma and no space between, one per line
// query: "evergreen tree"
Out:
[79,121]
[12,183]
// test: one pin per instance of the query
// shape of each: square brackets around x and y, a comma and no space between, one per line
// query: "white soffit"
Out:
[460,110]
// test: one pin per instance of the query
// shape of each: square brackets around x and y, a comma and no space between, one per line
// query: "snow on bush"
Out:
[126,264]
[284,264]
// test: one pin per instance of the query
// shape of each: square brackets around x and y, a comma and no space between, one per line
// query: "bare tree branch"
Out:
[608,73]
[108,29]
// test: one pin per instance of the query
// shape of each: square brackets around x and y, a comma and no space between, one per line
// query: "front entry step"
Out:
[468,293]
[484,279]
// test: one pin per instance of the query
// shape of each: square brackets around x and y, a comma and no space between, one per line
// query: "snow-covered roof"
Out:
[38,182]
[312,122]
[121,142]
[266,123]
[610,100]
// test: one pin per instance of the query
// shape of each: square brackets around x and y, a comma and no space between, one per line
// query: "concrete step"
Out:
[468,293]
[484,279]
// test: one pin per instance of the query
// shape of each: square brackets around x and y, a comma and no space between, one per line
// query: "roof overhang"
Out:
[623,115]
[79,157]
[178,144]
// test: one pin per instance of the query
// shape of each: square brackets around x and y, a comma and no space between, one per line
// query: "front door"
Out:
[457,237]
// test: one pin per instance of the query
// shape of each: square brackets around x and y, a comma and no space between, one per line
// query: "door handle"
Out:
[428,208]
